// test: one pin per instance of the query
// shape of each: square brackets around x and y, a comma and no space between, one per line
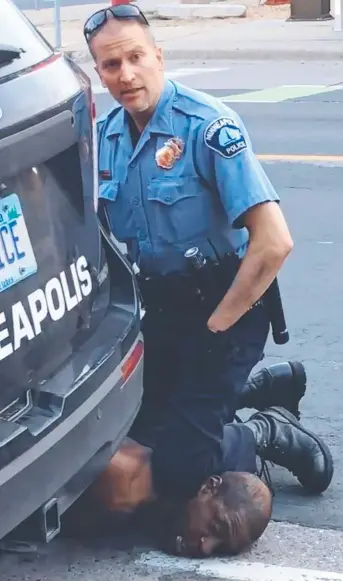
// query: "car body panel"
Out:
[69,308]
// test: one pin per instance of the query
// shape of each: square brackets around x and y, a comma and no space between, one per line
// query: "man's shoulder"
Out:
[195,103]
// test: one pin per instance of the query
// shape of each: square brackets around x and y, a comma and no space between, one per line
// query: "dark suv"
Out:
[71,352]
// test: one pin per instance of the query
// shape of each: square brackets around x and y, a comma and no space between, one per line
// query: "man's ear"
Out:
[211,484]
[160,58]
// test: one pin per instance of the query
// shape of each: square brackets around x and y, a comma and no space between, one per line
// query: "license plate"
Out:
[17,260]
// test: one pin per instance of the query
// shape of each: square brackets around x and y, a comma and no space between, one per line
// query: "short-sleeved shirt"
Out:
[187,181]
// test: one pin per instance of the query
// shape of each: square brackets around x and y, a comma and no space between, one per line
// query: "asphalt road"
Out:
[312,285]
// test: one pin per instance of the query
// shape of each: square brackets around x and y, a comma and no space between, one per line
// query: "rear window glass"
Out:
[16,31]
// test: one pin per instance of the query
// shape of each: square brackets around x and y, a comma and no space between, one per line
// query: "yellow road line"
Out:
[301,158]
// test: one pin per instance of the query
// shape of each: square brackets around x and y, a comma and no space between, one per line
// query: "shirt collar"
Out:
[161,120]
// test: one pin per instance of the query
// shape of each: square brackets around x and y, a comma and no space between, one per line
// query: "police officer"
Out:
[177,171]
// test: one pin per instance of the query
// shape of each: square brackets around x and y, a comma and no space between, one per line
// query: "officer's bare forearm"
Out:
[269,245]
[258,269]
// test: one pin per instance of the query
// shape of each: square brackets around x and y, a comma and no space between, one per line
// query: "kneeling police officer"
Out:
[180,185]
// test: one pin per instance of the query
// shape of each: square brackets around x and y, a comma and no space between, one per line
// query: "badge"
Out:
[170,153]
[225,137]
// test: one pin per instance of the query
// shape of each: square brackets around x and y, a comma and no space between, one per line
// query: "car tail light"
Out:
[42,64]
[132,361]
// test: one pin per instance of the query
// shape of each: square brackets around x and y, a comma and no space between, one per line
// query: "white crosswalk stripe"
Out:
[186,72]
[281,93]
[231,570]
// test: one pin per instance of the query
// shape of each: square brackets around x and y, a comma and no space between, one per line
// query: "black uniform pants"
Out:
[192,379]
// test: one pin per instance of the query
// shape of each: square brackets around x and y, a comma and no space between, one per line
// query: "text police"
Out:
[54,301]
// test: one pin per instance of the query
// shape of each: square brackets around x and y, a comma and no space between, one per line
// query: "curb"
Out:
[268,54]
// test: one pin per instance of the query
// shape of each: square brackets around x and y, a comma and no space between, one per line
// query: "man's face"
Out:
[129,65]
[199,536]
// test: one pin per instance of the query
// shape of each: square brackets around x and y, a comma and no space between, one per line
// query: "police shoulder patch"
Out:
[225,137]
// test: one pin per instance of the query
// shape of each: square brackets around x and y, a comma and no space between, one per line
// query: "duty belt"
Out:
[182,291]
[170,291]
[187,290]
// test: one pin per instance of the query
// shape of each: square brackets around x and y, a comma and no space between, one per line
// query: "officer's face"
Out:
[129,65]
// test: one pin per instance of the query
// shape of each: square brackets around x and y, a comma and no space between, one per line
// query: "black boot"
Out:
[283,384]
[282,440]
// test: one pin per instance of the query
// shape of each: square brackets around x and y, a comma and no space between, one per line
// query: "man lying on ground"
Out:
[203,481]
[228,514]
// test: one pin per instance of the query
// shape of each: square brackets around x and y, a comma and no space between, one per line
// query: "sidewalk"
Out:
[262,35]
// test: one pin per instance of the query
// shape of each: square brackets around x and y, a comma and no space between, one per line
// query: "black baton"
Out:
[273,302]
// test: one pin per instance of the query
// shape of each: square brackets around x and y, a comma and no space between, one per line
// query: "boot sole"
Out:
[328,460]
[300,379]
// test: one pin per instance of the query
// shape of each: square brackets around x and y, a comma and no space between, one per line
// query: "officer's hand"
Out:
[220,320]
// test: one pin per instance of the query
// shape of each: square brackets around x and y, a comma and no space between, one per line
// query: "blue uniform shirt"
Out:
[198,198]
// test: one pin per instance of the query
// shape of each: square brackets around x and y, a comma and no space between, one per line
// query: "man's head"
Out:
[228,515]
[127,59]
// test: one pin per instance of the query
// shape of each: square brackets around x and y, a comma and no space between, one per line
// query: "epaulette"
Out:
[196,103]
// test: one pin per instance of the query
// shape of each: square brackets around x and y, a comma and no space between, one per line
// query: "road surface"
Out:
[298,130]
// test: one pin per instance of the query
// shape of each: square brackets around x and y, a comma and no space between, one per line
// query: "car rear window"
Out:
[17,32]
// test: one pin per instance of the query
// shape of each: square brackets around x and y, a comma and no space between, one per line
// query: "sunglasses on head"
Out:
[121,11]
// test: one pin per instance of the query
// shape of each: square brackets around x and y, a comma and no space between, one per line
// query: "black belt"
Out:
[169,291]
[186,289]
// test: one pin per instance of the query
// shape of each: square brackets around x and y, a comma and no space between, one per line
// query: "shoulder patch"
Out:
[225,137]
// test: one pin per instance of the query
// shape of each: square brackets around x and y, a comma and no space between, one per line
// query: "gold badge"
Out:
[170,153]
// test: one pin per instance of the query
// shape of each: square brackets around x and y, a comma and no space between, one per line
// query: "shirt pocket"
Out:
[178,208]
[118,210]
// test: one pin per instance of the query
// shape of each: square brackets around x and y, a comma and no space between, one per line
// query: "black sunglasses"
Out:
[121,11]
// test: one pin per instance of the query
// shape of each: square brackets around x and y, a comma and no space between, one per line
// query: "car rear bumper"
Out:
[58,468]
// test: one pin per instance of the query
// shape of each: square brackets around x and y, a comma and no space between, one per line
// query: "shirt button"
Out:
[135,201]
[132,164]
[167,199]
